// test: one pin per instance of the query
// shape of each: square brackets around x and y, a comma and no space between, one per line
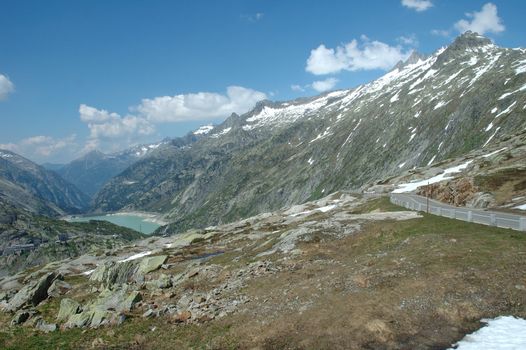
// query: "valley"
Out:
[288,226]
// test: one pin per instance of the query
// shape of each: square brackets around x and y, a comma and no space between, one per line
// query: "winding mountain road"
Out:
[484,217]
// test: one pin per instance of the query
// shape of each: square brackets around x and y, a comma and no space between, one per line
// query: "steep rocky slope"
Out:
[460,98]
[491,177]
[91,171]
[27,185]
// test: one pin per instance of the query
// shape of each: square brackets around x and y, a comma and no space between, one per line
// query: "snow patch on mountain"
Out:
[203,130]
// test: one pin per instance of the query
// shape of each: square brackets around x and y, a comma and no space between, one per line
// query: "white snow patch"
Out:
[411,186]
[472,61]
[494,110]
[401,165]
[322,209]
[205,129]
[136,256]
[450,79]
[221,133]
[432,160]
[488,128]
[521,207]
[507,110]
[89,272]
[480,71]
[521,67]
[441,104]
[522,88]
[491,137]
[501,333]
[310,161]
[494,152]
[321,136]
[394,98]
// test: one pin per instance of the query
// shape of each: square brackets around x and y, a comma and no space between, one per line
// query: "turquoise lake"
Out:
[137,223]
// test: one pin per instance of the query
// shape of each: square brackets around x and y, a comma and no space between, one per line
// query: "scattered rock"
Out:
[113,273]
[20,317]
[162,282]
[148,313]
[33,293]
[58,288]
[78,320]
[43,326]
[183,316]
[151,264]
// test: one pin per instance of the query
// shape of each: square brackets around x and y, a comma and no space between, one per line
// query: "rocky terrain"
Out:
[463,97]
[493,177]
[339,272]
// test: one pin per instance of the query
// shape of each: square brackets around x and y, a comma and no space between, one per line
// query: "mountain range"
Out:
[461,98]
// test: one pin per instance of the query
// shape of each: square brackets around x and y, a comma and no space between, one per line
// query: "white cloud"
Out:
[484,21]
[410,40]
[417,5]
[324,85]
[354,56]
[253,18]
[110,132]
[297,88]
[93,115]
[103,124]
[6,87]
[42,147]
[441,32]
[199,106]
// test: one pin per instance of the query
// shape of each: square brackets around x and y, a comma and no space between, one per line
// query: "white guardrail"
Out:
[419,203]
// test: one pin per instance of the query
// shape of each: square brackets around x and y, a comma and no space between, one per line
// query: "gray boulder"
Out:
[20,317]
[162,282]
[151,264]
[43,326]
[68,308]
[58,288]
[33,293]
[114,273]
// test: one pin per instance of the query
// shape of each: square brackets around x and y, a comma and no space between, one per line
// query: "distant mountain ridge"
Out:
[91,171]
[26,185]
[462,97]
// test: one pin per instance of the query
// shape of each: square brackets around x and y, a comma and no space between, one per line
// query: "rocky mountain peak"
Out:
[470,39]
[466,43]
[412,59]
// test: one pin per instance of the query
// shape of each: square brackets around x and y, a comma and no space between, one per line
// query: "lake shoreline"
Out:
[147,216]
[142,222]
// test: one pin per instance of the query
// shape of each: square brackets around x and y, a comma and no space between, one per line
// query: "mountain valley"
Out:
[279,231]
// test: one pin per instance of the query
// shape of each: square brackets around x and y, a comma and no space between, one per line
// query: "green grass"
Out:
[379,204]
[134,333]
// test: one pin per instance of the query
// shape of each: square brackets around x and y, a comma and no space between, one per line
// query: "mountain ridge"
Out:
[27,185]
[283,153]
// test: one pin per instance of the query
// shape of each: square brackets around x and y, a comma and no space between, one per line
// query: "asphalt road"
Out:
[490,218]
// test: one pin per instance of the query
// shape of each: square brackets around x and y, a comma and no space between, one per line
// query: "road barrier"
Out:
[419,203]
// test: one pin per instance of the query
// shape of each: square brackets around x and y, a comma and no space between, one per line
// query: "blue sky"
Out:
[82,75]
